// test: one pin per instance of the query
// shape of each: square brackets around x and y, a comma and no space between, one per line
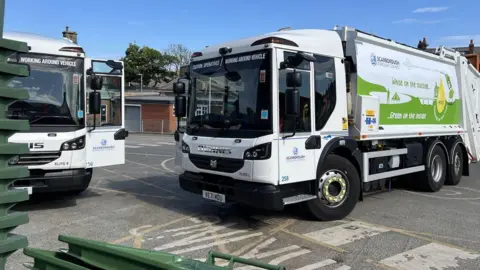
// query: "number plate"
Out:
[214,196]
[29,189]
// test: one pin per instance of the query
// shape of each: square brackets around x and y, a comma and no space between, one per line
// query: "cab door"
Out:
[106,134]
[296,160]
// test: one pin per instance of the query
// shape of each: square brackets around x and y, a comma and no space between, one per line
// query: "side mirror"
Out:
[180,106]
[294,79]
[96,83]
[94,102]
[179,88]
[292,99]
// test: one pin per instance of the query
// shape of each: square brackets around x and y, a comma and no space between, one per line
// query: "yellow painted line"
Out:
[143,182]
[154,228]
[135,194]
[314,241]
[418,236]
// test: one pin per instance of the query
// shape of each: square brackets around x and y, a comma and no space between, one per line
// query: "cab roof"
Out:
[324,42]
[46,45]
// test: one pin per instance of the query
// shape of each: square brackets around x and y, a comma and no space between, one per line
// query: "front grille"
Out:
[228,165]
[36,158]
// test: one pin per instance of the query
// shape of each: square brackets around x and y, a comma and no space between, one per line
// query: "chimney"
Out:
[422,44]
[471,47]
[70,35]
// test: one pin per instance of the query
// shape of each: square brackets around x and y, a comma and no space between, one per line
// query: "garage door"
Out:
[133,118]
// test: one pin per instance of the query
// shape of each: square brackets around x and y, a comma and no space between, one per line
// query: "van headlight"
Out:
[75,144]
[259,152]
[185,148]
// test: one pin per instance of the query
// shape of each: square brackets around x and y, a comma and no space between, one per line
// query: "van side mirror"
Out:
[96,83]
[292,99]
[180,106]
[179,88]
[294,79]
[94,102]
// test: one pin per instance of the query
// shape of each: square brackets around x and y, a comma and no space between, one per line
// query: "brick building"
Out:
[150,112]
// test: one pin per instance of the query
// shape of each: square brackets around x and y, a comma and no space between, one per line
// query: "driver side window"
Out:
[303,123]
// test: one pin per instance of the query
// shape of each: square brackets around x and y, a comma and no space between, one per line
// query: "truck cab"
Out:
[69,133]
[260,111]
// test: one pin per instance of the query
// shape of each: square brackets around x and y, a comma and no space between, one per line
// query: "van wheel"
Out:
[436,170]
[338,185]
[456,168]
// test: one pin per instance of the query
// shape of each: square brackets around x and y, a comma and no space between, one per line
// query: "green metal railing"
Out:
[9,243]
[85,254]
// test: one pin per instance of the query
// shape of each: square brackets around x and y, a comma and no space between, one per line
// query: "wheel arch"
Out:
[451,144]
[345,147]
[430,145]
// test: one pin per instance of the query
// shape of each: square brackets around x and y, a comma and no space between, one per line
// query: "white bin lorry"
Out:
[75,110]
[321,116]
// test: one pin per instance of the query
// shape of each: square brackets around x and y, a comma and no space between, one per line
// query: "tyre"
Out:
[338,191]
[436,170]
[455,169]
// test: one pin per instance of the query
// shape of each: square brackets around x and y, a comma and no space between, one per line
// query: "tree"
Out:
[152,64]
[181,55]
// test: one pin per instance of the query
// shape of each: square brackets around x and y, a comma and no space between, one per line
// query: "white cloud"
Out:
[430,9]
[412,20]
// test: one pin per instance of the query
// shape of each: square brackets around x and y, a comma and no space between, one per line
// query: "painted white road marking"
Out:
[344,267]
[345,233]
[216,243]
[149,145]
[430,256]
[199,236]
[318,265]
[164,165]
[132,146]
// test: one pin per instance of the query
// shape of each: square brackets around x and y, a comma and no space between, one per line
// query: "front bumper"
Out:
[43,181]
[258,195]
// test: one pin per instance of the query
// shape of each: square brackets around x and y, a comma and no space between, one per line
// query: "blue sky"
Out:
[106,27]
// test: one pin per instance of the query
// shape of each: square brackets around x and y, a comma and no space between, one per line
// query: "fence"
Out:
[153,126]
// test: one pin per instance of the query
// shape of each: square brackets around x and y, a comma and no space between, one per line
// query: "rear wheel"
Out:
[338,191]
[455,169]
[436,170]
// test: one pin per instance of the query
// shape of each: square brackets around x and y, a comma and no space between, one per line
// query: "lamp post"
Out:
[141,82]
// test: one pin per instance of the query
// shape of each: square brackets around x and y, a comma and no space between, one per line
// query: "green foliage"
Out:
[152,64]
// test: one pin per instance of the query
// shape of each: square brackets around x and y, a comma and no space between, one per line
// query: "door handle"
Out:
[313,142]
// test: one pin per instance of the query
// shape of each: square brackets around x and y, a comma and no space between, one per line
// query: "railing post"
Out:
[9,243]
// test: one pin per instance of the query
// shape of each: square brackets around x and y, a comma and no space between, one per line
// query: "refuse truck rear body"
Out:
[319,117]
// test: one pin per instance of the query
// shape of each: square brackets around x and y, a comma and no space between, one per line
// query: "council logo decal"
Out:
[103,146]
[373,59]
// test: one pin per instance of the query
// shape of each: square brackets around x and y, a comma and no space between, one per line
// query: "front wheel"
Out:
[338,189]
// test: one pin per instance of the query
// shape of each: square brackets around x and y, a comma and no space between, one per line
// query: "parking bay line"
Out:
[147,154]
[152,167]
[144,182]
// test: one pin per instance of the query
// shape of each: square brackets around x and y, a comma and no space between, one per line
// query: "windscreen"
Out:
[54,88]
[232,95]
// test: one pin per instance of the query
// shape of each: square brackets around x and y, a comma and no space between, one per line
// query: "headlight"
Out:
[75,144]
[185,148]
[259,152]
